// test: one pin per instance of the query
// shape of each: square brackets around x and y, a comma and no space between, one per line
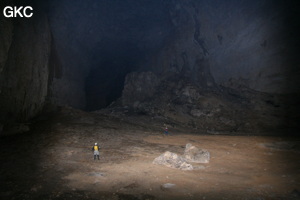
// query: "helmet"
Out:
[95,143]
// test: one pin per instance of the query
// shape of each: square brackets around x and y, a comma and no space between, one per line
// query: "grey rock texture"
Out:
[139,87]
[172,160]
[24,70]
[193,154]
[228,66]
[210,109]
[248,42]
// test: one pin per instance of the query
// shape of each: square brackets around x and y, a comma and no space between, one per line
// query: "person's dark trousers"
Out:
[98,157]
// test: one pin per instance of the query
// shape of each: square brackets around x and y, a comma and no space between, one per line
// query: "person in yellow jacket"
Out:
[96,149]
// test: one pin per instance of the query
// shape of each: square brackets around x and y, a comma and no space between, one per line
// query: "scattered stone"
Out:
[172,160]
[131,186]
[167,186]
[193,154]
[98,174]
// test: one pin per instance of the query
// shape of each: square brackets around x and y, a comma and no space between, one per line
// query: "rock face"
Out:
[193,154]
[251,46]
[208,109]
[219,72]
[250,42]
[24,69]
[172,160]
[139,87]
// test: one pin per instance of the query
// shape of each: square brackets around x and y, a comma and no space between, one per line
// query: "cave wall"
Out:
[184,54]
[248,43]
[70,55]
[228,66]
[252,42]
[99,42]
[24,57]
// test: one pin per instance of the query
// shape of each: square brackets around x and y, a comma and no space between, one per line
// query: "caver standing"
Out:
[166,131]
[96,149]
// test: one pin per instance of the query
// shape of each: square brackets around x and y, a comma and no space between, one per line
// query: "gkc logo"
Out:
[15,11]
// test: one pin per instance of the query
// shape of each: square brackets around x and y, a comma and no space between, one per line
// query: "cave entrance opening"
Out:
[104,83]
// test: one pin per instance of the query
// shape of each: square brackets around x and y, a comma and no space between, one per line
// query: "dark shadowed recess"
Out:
[292,38]
[105,81]
[136,28]
[111,38]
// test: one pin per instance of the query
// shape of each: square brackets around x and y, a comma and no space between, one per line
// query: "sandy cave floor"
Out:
[55,161]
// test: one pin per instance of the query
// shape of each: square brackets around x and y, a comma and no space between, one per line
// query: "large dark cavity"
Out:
[110,38]
[105,81]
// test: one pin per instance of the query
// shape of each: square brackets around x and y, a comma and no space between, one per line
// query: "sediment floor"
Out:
[55,161]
